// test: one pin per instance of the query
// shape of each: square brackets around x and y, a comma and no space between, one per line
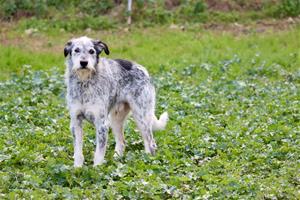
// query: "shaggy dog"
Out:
[103,91]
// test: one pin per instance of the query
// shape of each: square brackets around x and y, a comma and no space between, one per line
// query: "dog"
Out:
[103,91]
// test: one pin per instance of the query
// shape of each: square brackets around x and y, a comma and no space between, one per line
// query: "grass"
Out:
[149,47]
[234,119]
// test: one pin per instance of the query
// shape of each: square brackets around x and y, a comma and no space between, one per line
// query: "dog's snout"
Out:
[83,64]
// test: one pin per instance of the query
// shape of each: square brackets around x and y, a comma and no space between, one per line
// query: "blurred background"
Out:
[105,14]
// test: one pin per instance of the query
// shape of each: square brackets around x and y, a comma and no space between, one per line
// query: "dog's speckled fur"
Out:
[103,91]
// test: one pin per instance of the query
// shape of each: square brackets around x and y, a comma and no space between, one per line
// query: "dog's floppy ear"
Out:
[99,46]
[68,48]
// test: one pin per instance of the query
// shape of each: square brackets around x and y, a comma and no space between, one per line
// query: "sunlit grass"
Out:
[156,47]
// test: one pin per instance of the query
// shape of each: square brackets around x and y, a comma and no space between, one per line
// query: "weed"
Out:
[289,8]
[233,130]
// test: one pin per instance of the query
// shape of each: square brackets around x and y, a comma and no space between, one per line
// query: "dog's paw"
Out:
[117,155]
[98,162]
[119,150]
[151,148]
[98,159]
[78,160]
[76,165]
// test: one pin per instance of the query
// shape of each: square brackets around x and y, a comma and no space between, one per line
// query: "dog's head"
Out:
[83,54]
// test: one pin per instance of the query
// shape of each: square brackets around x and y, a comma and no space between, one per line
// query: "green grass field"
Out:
[234,129]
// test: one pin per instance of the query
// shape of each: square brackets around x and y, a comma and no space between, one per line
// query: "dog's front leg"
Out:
[101,140]
[77,132]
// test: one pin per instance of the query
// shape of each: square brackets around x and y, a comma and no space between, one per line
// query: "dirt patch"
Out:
[169,4]
[238,5]
[221,5]
[260,26]
[36,43]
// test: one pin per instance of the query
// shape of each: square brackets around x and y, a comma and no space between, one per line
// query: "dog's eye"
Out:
[77,50]
[91,51]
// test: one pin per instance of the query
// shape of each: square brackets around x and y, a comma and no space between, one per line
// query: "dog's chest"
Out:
[87,92]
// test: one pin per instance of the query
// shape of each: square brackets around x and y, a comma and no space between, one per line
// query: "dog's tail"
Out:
[160,124]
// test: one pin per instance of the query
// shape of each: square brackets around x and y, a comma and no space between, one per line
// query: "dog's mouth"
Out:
[83,69]
[84,73]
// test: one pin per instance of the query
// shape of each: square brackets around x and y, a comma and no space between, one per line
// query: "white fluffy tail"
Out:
[161,123]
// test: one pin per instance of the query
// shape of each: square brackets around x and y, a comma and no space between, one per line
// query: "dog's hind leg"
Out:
[117,119]
[142,111]
[144,124]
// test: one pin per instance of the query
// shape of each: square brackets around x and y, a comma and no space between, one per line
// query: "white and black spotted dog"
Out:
[103,91]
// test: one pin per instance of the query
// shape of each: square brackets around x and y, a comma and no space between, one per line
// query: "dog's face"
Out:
[83,54]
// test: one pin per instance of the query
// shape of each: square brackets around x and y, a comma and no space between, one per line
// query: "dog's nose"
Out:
[83,64]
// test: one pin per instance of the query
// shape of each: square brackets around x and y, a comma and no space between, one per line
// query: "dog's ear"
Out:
[99,46]
[68,48]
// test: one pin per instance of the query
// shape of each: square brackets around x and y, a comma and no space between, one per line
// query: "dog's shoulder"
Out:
[118,63]
[125,64]
[126,67]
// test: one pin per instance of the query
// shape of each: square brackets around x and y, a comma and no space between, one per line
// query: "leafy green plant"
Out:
[193,10]
[223,136]
[200,7]
[289,8]
[96,8]
[233,131]
[9,8]
[40,8]
[148,12]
